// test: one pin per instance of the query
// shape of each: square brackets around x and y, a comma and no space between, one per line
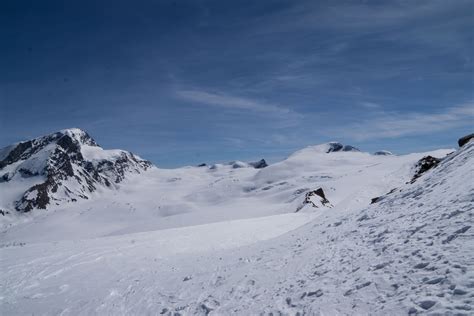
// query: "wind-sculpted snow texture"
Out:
[411,252]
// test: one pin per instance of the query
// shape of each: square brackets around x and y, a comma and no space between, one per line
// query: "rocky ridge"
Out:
[63,167]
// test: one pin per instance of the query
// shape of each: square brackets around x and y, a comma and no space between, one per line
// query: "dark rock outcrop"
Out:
[315,198]
[423,165]
[375,199]
[349,148]
[259,164]
[238,164]
[334,146]
[464,140]
[319,192]
[337,147]
[16,154]
[380,198]
[383,153]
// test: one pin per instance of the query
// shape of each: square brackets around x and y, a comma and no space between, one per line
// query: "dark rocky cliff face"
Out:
[65,175]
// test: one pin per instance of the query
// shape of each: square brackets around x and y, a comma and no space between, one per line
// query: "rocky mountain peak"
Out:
[63,166]
[69,140]
[78,136]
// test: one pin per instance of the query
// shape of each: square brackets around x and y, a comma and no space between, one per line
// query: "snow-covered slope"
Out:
[410,252]
[143,198]
[61,167]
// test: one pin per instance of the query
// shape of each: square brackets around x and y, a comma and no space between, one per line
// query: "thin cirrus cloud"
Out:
[369,105]
[395,124]
[230,102]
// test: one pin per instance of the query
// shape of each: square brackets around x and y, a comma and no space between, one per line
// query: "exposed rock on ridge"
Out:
[315,198]
[464,140]
[69,165]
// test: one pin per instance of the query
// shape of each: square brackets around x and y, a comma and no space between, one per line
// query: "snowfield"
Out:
[233,239]
[169,198]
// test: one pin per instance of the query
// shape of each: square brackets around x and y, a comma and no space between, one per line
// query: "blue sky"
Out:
[184,82]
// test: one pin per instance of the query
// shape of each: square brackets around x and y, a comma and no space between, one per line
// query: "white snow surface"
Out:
[169,198]
[226,240]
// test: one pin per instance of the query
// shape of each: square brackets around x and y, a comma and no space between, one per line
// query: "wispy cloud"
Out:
[356,16]
[369,105]
[394,124]
[226,101]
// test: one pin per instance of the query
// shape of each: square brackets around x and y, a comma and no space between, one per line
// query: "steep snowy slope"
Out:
[412,251]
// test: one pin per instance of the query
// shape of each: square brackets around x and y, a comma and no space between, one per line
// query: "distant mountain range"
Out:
[69,165]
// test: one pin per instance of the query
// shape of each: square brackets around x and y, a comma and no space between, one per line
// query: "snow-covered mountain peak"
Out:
[325,148]
[79,135]
[62,166]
